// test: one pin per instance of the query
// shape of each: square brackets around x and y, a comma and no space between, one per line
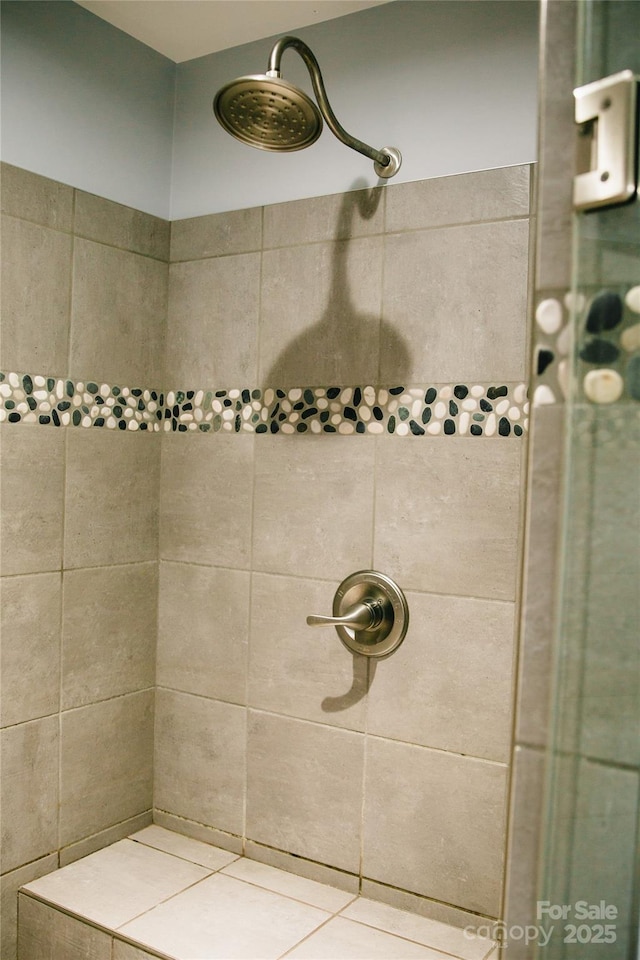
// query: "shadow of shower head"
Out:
[267,112]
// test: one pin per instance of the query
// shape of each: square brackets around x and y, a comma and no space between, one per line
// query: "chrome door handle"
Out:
[366,615]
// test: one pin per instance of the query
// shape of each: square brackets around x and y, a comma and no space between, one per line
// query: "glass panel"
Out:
[591,845]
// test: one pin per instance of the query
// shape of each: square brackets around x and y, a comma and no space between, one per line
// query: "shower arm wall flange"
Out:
[386,161]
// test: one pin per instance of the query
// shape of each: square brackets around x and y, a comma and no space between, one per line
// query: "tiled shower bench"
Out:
[159,894]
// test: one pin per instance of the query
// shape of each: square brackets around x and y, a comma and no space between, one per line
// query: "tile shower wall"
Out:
[84,291]
[269,733]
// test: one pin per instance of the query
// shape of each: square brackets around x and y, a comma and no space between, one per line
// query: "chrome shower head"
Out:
[267,112]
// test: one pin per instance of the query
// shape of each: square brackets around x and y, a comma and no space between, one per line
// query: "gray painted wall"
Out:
[85,104]
[452,83]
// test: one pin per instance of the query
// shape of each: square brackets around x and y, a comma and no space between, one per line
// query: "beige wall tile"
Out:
[465,198]
[111,504]
[527,801]
[205,501]
[118,316]
[11,883]
[203,630]
[106,764]
[540,574]
[30,628]
[36,286]
[28,195]
[433,824]
[304,784]
[200,759]
[422,906]
[452,676]
[216,235]
[339,216]
[45,932]
[313,505]
[121,226]
[212,333]
[296,669]
[320,314]
[29,809]
[457,298]
[32,499]
[109,632]
[447,515]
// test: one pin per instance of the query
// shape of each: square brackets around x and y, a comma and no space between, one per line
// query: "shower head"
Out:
[267,112]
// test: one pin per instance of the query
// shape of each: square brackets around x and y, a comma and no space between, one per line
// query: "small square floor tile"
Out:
[117,883]
[221,918]
[186,848]
[431,933]
[353,941]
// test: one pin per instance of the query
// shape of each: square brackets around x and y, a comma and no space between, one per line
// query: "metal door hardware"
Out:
[607,156]
[370,614]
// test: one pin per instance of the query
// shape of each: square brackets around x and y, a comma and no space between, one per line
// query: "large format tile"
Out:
[462,198]
[118,316]
[46,932]
[430,933]
[353,941]
[447,515]
[296,669]
[28,195]
[185,847]
[121,226]
[109,632]
[304,784]
[106,764]
[288,884]
[11,883]
[223,919]
[452,676]
[200,759]
[32,476]
[313,506]
[126,951]
[203,630]
[114,885]
[441,297]
[29,791]
[338,216]
[205,500]
[320,314]
[30,629]
[36,281]
[212,333]
[111,506]
[433,824]
[217,234]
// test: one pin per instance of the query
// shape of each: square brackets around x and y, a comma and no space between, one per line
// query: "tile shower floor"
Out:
[173,897]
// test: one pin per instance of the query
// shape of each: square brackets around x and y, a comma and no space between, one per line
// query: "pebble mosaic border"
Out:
[474,410]
[607,348]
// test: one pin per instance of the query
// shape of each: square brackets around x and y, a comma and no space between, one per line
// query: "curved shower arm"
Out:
[381,157]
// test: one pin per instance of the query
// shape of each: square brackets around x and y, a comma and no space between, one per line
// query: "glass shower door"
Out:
[589,884]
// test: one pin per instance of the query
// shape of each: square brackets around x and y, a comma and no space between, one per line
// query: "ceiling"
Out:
[184,29]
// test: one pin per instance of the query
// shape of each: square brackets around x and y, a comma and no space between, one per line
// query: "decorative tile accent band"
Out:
[606,347]
[477,409]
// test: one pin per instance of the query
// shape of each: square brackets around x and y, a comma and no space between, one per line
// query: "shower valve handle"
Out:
[366,615]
